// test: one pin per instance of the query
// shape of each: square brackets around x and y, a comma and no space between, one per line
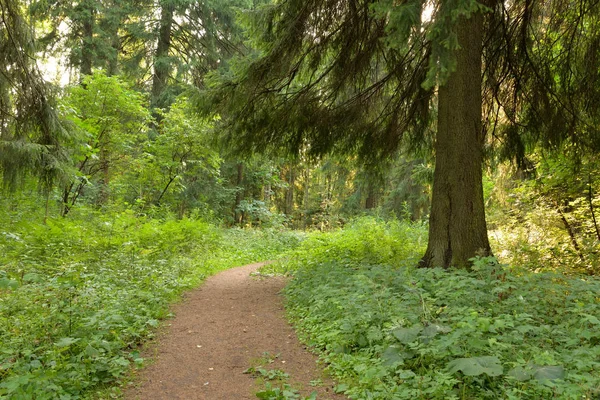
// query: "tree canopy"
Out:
[30,131]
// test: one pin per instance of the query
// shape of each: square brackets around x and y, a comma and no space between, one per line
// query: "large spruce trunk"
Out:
[457,227]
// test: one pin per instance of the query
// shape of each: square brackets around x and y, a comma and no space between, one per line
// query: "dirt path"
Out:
[220,330]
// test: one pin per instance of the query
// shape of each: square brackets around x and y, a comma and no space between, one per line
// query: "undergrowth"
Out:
[79,294]
[274,382]
[391,331]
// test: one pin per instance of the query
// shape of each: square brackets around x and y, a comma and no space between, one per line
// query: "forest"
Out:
[424,173]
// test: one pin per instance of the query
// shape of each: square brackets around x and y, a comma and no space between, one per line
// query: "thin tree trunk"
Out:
[267,194]
[165,189]
[289,194]
[113,61]
[371,201]
[457,227]
[571,233]
[306,202]
[47,208]
[162,65]
[239,194]
[591,203]
[105,169]
[67,190]
[65,200]
[87,45]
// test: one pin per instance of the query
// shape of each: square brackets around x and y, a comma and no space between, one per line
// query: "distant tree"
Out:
[90,33]
[191,39]
[112,120]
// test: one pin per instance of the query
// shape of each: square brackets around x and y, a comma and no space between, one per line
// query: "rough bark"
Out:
[113,61]
[591,204]
[457,227]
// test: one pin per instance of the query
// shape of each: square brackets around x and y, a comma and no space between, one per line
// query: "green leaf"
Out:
[32,277]
[475,366]
[66,342]
[548,373]
[520,374]
[540,373]
[392,356]
[6,283]
[91,352]
[407,335]
[591,319]
[13,383]
[311,396]
[341,388]
[433,330]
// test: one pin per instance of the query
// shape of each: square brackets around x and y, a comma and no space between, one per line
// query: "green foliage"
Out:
[31,135]
[550,219]
[105,106]
[112,120]
[390,331]
[174,163]
[286,392]
[78,295]
[366,239]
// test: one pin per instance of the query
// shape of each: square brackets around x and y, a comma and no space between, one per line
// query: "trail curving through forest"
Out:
[220,330]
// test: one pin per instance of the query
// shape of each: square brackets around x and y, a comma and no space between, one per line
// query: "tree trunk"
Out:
[162,65]
[105,170]
[87,45]
[457,227]
[571,233]
[113,59]
[267,194]
[289,193]
[371,201]
[239,194]
[306,200]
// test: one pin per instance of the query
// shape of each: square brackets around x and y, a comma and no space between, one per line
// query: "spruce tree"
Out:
[30,131]
[369,76]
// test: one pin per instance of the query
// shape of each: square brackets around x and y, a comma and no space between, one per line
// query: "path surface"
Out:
[220,330]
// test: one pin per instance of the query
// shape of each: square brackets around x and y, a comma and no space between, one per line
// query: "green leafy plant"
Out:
[282,393]
[392,331]
[78,295]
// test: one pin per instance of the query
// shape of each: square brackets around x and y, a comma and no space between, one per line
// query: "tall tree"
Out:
[162,59]
[359,76]
[457,227]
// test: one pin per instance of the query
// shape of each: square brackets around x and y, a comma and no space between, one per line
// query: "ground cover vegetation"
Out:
[274,382]
[79,295]
[132,133]
[389,330]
